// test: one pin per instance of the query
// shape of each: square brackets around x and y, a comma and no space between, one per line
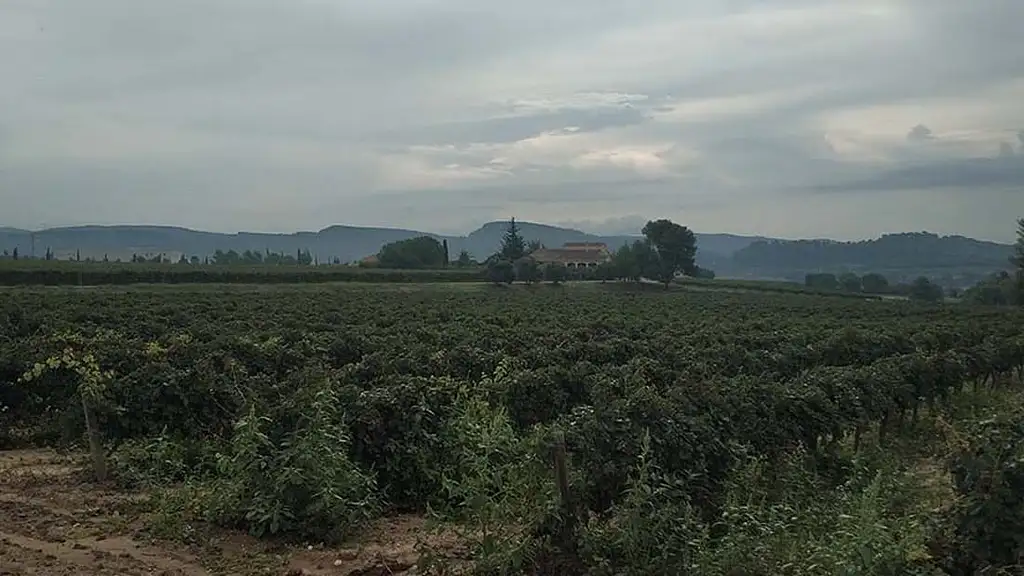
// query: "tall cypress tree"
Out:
[513,247]
[444,244]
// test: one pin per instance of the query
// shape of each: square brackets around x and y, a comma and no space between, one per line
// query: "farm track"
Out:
[54,522]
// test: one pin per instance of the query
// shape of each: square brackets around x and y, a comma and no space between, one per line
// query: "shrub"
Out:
[555,272]
[501,272]
[288,469]
[988,520]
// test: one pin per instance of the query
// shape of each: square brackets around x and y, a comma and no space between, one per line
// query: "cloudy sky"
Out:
[791,118]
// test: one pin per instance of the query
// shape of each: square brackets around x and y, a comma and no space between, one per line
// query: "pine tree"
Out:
[444,244]
[1018,261]
[513,247]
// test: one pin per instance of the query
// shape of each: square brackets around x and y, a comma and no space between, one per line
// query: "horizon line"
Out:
[467,234]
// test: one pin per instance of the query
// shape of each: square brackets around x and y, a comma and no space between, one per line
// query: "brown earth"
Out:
[54,521]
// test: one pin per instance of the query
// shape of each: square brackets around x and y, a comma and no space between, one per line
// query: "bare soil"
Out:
[54,521]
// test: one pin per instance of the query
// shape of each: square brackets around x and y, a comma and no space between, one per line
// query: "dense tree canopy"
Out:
[997,290]
[414,253]
[675,246]
[527,270]
[500,271]
[874,283]
[924,290]
[634,261]
[851,282]
[823,281]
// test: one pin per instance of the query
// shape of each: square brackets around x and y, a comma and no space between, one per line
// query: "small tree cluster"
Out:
[848,281]
[998,289]
[252,257]
[414,253]
[667,250]
[512,261]
[924,290]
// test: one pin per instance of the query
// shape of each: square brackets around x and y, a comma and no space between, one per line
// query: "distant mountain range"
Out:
[954,260]
[348,243]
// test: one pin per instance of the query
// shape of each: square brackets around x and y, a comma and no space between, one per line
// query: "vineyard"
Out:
[577,429]
[65,273]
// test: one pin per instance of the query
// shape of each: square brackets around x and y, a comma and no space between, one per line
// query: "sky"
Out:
[788,118]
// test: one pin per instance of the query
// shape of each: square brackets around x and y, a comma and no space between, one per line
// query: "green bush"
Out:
[288,469]
[651,530]
[161,461]
[498,486]
[988,518]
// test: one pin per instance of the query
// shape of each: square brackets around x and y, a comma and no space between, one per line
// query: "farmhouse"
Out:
[575,255]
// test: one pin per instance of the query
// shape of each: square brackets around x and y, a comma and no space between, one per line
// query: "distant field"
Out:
[62,273]
[776,286]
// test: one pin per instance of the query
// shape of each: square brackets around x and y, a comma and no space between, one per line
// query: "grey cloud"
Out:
[260,84]
[974,175]
[952,50]
[920,132]
[568,192]
[514,128]
[1005,149]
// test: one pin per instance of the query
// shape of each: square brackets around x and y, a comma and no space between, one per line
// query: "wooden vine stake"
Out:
[99,460]
[568,525]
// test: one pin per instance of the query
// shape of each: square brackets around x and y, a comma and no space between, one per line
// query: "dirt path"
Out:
[53,522]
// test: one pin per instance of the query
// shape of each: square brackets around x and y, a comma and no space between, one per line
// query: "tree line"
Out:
[873,283]
[219,258]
